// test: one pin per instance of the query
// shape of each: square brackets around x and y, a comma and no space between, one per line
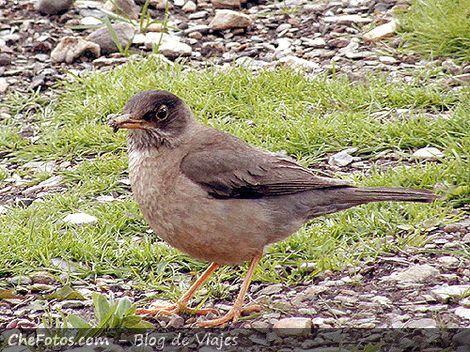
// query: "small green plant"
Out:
[110,314]
[438,28]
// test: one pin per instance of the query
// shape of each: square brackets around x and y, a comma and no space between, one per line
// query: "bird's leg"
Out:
[234,313]
[182,305]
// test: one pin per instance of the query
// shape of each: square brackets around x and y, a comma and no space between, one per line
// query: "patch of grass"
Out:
[280,110]
[438,28]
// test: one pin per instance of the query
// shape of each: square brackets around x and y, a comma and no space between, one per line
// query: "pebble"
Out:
[105,39]
[71,48]
[228,19]
[463,313]
[42,277]
[413,274]
[444,293]
[190,7]
[380,32]
[347,19]
[80,218]
[19,280]
[270,290]
[428,153]
[293,327]
[448,262]
[53,7]
[421,323]
[342,158]
[226,4]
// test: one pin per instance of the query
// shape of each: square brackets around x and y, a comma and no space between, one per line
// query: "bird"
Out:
[219,199]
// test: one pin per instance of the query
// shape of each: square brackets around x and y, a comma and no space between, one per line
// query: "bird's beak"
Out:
[123,121]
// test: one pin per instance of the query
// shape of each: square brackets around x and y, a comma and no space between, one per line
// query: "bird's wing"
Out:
[233,169]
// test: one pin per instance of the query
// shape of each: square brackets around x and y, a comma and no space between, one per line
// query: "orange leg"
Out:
[182,305]
[234,313]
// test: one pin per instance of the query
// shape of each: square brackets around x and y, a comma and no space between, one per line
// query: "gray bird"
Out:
[219,199]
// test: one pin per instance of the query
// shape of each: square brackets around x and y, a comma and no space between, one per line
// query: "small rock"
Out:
[161,4]
[3,85]
[342,158]
[444,293]
[42,277]
[172,48]
[90,21]
[382,300]
[466,238]
[123,31]
[464,78]
[80,218]
[463,313]
[155,27]
[389,60]
[295,62]
[428,153]
[271,289]
[226,4]
[293,327]
[40,287]
[450,66]
[176,322]
[462,338]
[347,19]
[126,7]
[71,48]
[421,323]
[190,7]
[19,280]
[228,19]
[448,262]
[383,31]
[5,60]
[415,273]
[53,7]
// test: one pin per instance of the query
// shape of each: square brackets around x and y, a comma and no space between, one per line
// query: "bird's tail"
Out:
[379,194]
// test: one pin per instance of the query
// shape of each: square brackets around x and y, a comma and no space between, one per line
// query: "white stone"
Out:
[226,4]
[228,19]
[390,60]
[293,326]
[91,21]
[347,19]
[382,300]
[190,6]
[444,293]
[415,273]
[80,218]
[179,3]
[295,62]
[448,262]
[3,85]
[342,158]
[382,31]
[463,313]
[171,47]
[425,323]
[71,48]
[428,153]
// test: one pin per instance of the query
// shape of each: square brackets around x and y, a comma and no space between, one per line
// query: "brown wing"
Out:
[231,168]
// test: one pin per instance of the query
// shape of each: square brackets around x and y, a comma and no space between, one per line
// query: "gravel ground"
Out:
[419,287]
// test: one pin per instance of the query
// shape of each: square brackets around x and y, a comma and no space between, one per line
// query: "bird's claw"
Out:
[177,308]
[232,316]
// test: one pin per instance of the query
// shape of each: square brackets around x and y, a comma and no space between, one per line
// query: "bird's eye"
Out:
[162,113]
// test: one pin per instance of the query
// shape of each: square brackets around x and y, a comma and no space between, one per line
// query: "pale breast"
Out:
[180,212]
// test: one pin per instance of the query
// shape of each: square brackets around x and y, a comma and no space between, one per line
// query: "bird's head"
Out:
[153,118]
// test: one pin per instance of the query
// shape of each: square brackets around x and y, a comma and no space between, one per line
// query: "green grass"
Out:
[280,110]
[438,28]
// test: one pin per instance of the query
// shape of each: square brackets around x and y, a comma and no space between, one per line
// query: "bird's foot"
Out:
[177,308]
[232,316]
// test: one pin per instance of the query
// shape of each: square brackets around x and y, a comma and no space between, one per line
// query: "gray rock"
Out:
[342,158]
[71,48]
[53,7]
[271,289]
[126,7]
[123,31]
[293,327]
[176,322]
[3,85]
[448,262]
[347,19]
[190,7]
[172,48]
[226,4]
[80,218]
[444,293]
[161,4]
[428,153]
[380,32]
[5,60]
[42,277]
[295,62]
[228,19]
[462,338]
[413,274]
[421,323]
[463,313]
[19,280]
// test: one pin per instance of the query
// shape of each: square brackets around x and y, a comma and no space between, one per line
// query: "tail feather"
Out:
[367,195]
